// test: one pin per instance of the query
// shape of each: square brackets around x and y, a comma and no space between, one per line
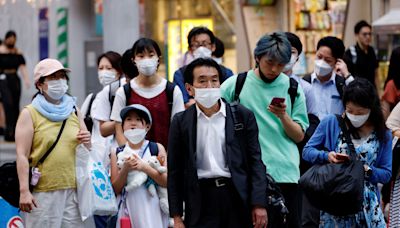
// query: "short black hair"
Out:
[147,44]
[130,70]
[335,44]
[294,41]
[200,30]
[114,58]
[361,24]
[219,48]
[10,33]
[208,62]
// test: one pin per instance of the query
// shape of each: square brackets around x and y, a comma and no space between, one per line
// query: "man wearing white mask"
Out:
[201,42]
[329,76]
[222,172]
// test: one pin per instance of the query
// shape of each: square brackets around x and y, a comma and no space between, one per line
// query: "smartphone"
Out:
[342,157]
[277,101]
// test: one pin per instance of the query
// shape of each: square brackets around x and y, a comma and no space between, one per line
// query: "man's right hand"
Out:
[178,222]
[27,201]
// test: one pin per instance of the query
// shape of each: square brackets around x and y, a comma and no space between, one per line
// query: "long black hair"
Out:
[394,68]
[361,92]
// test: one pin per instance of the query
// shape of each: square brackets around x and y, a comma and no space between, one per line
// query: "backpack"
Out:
[277,210]
[88,117]
[170,87]
[241,78]
[153,147]
[339,82]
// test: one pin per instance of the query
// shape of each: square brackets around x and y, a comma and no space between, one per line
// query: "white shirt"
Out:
[120,99]
[211,144]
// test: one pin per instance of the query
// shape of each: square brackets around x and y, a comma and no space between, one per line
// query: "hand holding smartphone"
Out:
[277,101]
[342,157]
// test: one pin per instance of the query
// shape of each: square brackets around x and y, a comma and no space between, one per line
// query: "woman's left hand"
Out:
[84,137]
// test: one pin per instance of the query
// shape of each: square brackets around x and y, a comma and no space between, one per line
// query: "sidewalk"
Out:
[7,151]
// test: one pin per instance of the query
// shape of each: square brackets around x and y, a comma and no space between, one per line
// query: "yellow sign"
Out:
[177,45]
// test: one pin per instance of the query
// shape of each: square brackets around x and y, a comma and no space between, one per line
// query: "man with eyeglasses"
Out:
[201,42]
[360,58]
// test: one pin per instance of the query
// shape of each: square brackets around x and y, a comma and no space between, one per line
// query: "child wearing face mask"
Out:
[163,98]
[372,142]
[142,209]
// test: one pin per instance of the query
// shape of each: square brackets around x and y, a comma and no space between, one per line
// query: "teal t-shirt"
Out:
[279,152]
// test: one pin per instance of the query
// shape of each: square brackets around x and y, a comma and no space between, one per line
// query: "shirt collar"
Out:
[222,110]
[331,80]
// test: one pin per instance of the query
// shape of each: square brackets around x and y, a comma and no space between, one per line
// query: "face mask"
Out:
[56,88]
[322,68]
[106,77]
[202,52]
[207,97]
[147,67]
[290,64]
[358,120]
[136,135]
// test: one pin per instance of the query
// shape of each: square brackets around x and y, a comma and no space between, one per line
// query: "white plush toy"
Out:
[162,192]
[135,178]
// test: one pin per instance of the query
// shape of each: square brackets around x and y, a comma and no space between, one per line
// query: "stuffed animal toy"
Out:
[162,192]
[135,178]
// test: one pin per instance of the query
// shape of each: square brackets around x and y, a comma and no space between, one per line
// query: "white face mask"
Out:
[106,77]
[56,88]
[147,67]
[357,120]
[290,64]
[202,52]
[207,97]
[322,68]
[136,135]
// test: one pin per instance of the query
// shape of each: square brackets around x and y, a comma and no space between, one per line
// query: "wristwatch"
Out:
[348,76]
[368,172]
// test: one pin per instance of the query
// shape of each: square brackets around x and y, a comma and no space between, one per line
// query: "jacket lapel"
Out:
[192,131]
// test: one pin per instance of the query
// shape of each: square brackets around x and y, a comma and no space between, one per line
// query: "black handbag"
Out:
[9,182]
[336,188]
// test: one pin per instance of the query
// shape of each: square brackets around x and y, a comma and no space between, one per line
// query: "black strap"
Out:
[293,90]
[89,113]
[127,91]
[54,144]
[241,78]
[339,82]
[307,78]
[237,121]
[347,137]
[169,89]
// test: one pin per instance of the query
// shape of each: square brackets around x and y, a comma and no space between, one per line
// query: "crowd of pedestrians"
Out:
[217,134]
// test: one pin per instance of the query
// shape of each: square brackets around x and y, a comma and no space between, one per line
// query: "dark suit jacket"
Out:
[245,165]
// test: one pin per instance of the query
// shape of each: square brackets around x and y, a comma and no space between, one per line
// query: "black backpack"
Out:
[169,89]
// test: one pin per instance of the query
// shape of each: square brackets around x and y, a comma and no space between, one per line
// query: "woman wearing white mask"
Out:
[97,107]
[372,142]
[53,200]
[161,97]
[142,209]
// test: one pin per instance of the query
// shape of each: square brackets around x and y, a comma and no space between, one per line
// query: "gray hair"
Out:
[274,46]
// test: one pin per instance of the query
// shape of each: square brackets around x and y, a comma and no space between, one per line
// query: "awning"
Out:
[388,23]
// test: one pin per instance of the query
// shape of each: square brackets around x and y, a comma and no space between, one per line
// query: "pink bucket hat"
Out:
[47,67]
